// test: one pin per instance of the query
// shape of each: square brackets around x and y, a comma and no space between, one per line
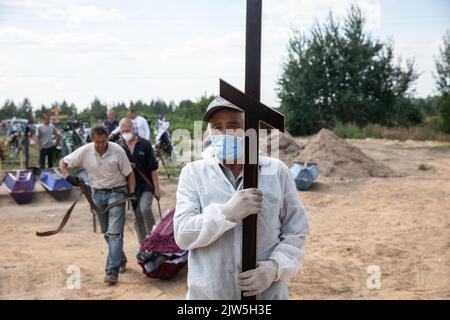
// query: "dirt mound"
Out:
[288,146]
[339,159]
[289,149]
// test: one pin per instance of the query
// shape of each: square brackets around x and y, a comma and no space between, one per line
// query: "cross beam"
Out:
[252,107]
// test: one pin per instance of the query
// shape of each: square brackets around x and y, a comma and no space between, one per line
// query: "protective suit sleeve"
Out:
[194,227]
[289,253]
[116,131]
[145,128]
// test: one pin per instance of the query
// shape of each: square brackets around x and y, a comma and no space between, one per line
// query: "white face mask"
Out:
[127,136]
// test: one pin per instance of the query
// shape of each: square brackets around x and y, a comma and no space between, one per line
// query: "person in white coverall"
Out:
[210,206]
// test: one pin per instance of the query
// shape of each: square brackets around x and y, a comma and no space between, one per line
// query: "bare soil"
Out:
[398,224]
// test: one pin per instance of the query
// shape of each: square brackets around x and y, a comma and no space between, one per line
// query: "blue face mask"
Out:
[227,147]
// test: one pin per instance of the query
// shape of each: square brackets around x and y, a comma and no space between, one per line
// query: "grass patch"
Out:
[443,148]
[13,161]
[419,133]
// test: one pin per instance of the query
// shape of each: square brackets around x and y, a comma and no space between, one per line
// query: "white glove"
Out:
[242,204]
[255,281]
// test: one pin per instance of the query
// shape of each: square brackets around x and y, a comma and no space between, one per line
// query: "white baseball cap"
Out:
[216,104]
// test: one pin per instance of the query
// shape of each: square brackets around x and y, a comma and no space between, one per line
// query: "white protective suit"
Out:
[215,243]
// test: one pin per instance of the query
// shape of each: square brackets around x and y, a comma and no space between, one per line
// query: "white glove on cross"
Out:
[242,204]
[255,281]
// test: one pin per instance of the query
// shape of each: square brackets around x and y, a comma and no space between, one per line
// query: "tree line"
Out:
[181,115]
[338,73]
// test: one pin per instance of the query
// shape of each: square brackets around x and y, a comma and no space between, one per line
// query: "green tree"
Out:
[67,109]
[406,113]
[159,107]
[121,110]
[442,78]
[193,110]
[98,110]
[8,110]
[188,111]
[25,110]
[428,106]
[339,73]
[40,112]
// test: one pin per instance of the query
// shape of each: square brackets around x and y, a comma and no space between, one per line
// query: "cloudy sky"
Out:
[178,49]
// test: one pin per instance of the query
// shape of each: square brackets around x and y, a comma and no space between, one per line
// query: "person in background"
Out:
[140,124]
[111,123]
[143,161]
[47,138]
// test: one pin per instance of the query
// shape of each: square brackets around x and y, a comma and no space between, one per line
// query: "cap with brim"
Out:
[217,104]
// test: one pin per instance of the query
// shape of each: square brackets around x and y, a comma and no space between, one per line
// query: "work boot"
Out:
[111,278]
[123,266]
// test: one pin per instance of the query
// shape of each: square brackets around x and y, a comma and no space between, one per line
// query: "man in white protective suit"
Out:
[211,205]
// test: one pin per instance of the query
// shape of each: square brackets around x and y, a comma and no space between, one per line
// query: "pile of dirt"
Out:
[336,158]
[289,149]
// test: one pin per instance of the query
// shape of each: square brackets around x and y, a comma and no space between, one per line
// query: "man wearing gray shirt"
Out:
[46,133]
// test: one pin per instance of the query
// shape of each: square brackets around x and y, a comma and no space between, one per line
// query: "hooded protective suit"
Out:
[215,244]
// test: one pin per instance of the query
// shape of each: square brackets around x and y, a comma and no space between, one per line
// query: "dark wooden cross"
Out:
[255,114]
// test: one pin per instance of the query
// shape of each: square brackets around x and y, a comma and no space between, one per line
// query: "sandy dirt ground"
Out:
[395,230]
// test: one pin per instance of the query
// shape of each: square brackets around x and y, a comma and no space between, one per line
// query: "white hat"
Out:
[216,104]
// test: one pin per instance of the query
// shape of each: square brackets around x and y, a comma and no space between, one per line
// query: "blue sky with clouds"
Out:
[177,49]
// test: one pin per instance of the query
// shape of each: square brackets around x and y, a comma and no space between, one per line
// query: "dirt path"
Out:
[399,225]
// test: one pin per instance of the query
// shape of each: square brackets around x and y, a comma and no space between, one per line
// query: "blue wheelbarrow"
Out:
[304,174]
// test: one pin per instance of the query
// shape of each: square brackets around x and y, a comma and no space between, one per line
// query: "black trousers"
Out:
[46,152]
